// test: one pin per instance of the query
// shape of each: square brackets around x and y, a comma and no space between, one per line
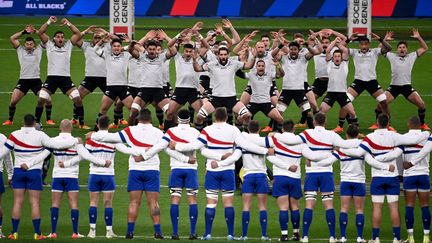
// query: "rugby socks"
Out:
[108,216]
[15,223]
[209,120]
[271,122]
[263,222]
[245,222]
[38,113]
[409,218]
[160,115]
[229,218]
[157,229]
[193,216]
[307,220]
[230,117]
[353,120]
[130,227]
[375,233]
[92,216]
[303,118]
[295,219]
[74,112]
[191,113]
[341,121]
[309,120]
[54,219]
[396,233]
[331,221]
[421,114]
[360,224]
[48,111]
[36,226]
[283,222]
[426,216]
[74,217]
[343,222]
[80,114]
[12,110]
[174,212]
[118,114]
[209,217]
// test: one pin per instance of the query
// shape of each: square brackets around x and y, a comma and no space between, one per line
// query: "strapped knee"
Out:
[392,198]
[43,94]
[203,113]
[281,107]
[381,98]
[176,192]
[191,192]
[327,197]
[74,94]
[350,96]
[306,106]
[212,194]
[136,107]
[165,107]
[310,195]
[227,193]
[243,111]
[378,198]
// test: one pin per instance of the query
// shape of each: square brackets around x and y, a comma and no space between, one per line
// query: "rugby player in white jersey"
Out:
[59,53]
[29,57]
[384,183]
[401,64]
[27,143]
[168,90]
[220,137]
[8,164]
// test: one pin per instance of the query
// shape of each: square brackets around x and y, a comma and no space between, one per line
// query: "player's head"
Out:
[414,122]
[58,38]
[337,57]
[253,126]
[213,39]
[188,50]
[29,43]
[402,48]
[29,120]
[103,122]
[144,116]
[260,67]
[183,116]
[299,38]
[261,49]
[221,114]
[352,131]
[66,126]
[223,55]
[265,39]
[288,126]
[383,120]
[116,46]
[325,42]
[152,48]
[97,36]
[364,43]
[320,119]
[294,49]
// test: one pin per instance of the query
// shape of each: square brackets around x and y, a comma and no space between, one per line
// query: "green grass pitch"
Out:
[62,108]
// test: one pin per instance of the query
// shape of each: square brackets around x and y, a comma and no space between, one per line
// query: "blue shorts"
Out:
[143,180]
[101,183]
[183,178]
[287,186]
[65,185]
[419,183]
[322,181]
[2,188]
[27,179]
[255,183]
[220,180]
[352,189]
[384,186]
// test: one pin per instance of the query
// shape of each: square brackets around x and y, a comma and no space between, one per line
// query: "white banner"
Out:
[360,17]
[122,17]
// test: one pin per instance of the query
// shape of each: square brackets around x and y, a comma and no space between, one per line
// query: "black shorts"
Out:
[24,85]
[227,102]
[405,90]
[307,88]
[148,95]
[371,86]
[340,97]
[319,86]
[273,90]
[263,107]
[168,90]
[183,95]
[297,95]
[204,81]
[63,83]
[117,91]
[133,91]
[91,83]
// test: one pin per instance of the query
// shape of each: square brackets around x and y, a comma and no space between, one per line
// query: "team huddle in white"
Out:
[137,75]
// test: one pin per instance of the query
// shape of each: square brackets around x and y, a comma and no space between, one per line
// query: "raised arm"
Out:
[42,35]
[422,44]
[330,47]
[228,25]
[150,35]
[196,66]
[75,39]
[386,47]
[343,48]
[14,39]
[240,45]
[219,31]
[251,61]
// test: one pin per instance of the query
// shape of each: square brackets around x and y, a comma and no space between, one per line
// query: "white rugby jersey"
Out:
[58,58]
[29,62]
[365,63]
[7,159]
[28,143]
[220,137]
[382,141]
[166,72]
[94,64]
[135,72]
[337,76]
[223,77]
[186,77]
[320,66]
[303,51]
[116,67]
[294,69]
[260,86]
[401,67]
[152,70]
[268,59]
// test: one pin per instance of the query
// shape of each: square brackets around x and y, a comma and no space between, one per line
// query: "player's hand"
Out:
[88,135]
[271,134]
[308,163]
[374,36]
[151,34]
[161,35]
[64,21]
[24,166]
[415,34]
[270,151]
[107,163]
[326,32]
[353,36]
[192,160]
[226,23]
[198,26]
[30,29]
[61,164]
[407,165]
[218,28]
[226,156]
[138,158]
[214,164]
[53,19]
[389,36]
[293,168]
[172,145]
[392,168]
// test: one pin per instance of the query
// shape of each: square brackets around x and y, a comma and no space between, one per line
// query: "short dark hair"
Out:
[363,38]
[183,114]
[288,125]
[325,38]
[337,51]
[261,60]
[29,120]
[293,43]
[223,48]
[414,122]
[221,114]
[253,126]
[153,43]
[29,38]
[188,45]
[103,122]
[265,36]
[320,118]
[402,43]
[58,32]
[144,116]
[383,120]
[298,35]
[353,130]
[116,41]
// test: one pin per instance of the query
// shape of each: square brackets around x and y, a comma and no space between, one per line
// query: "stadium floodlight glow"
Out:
[359,17]
[122,17]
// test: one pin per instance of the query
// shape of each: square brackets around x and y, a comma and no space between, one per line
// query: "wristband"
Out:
[200,36]
[280,46]
[380,39]
[24,32]
[223,33]
[177,36]
[214,35]
[347,40]
[68,24]
[48,22]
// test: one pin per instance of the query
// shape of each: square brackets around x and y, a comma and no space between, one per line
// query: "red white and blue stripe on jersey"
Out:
[169,135]
[127,137]
[374,149]
[282,150]
[65,152]
[313,143]
[95,147]
[343,157]
[21,147]
[213,143]
[411,149]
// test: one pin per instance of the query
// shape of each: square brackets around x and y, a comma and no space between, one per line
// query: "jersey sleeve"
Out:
[238,65]
[84,45]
